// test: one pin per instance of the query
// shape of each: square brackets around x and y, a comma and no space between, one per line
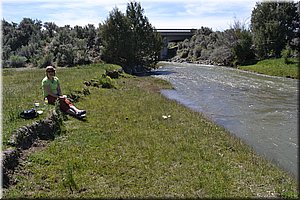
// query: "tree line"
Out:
[129,39]
[125,39]
[273,33]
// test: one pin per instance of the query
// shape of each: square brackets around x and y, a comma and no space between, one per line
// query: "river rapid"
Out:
[261,110]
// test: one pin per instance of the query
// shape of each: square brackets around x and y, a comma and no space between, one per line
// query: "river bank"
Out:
[260,109]
[137,143]
[275,67]
[272,67]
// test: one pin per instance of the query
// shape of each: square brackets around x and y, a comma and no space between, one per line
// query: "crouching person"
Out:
[52,91]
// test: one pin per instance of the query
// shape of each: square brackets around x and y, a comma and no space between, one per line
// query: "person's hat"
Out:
[50,69]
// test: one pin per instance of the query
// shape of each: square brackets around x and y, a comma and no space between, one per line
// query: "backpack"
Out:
[29,114]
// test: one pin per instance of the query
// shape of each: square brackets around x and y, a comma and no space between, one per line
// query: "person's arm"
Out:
[59,90]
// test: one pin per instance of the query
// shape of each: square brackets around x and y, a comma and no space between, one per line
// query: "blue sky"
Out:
[215,14]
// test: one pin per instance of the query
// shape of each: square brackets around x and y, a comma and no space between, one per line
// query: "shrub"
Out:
[222,55]
[81,58]
[17,61]
[286,53]
[197,51]
[107,82]
[184,53]
[205,53]
[45,61]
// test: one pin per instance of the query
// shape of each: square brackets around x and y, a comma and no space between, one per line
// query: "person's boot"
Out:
[81,112]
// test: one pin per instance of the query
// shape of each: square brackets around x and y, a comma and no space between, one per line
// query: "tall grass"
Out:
[127,149]
[275,67]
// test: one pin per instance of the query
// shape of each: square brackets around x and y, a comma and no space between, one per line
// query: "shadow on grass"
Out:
[290,62]
[66,117]
[250,62]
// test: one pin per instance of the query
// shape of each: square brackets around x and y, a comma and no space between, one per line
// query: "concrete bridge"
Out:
[173,35]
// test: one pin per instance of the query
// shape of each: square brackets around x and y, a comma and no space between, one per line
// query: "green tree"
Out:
[9,41]
[28,30]
[130,40]
[90,35]
[116,38]
[61,47]
[273,27]
[50,29]
[21,41]
[146,44]
[242,45]
[243,51]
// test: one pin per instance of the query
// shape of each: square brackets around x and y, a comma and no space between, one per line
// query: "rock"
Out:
[113,74]
[10,161]
[87,83]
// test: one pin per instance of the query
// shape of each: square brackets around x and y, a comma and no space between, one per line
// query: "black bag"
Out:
[29,114]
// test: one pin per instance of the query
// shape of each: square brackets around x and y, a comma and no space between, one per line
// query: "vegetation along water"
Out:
[135,142]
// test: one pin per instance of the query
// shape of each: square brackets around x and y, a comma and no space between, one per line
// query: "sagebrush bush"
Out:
[107,82]
[286,53]
[205,54]
[17,61]
[183,53]
[222,55]
[197,51]
[46,60]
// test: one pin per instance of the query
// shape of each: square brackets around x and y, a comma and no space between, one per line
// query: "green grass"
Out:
[275,67]
[22,88]
[126,148]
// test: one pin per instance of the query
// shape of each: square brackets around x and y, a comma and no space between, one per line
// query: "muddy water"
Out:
[260,109]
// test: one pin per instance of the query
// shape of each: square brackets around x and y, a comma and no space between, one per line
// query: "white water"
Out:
[260,109]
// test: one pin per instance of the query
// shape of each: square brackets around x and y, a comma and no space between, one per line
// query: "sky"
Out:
[162,14]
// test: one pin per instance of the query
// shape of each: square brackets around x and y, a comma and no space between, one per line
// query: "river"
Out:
[261,110]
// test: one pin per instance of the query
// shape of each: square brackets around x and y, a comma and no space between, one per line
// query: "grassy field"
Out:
[22,88]
[126,148]
[275,67]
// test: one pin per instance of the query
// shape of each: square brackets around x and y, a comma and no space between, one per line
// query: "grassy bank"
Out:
[275,67]
[126,148]
[22,88]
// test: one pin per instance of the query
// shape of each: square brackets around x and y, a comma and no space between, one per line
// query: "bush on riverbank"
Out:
[127,148]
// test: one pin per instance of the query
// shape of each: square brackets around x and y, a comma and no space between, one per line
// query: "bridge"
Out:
[173,35]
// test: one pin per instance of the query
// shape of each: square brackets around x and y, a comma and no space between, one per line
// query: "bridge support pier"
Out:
[164,50]
[173,35]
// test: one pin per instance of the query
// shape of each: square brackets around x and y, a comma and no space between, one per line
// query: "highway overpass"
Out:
[173,35]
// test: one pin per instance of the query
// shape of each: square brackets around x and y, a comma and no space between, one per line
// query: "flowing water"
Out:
[261,110]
